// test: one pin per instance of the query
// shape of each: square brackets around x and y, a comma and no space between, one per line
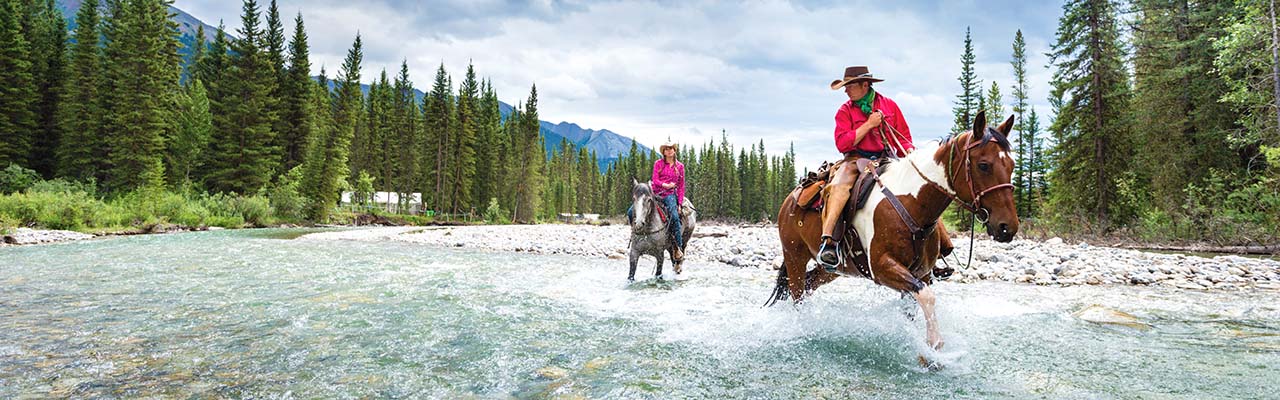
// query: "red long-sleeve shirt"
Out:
[850,117]
[668,173]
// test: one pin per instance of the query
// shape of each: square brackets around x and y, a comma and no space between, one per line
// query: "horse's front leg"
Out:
[896,276]
[926,299]
[635,257]
[661,256]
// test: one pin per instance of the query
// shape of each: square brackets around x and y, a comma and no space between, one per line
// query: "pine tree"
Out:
[1184,136]
[296,89]
[327,156]
[47,34]
[970,89]
[464,165]
[406,134]
[273,48]
[529,176]
[17,87]
[1090,74]
[191,138]
[1021,168]
[489,149]
[244,154]
[141,80]
[81,151]
[438,122]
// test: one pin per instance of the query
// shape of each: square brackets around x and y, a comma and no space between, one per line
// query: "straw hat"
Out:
[854,74]
[664,146]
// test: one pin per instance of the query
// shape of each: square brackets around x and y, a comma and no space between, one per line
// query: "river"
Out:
[255,313]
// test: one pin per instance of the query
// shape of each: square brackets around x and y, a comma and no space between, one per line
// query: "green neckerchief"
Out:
[865,102]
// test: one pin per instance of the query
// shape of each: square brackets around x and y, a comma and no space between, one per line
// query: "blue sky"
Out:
[686,70]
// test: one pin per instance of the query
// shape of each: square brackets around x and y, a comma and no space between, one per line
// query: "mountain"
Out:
[607,145]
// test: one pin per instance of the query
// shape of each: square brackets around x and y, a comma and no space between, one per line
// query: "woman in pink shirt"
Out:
[668,184]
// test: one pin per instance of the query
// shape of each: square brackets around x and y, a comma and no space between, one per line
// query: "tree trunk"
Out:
[1275,61]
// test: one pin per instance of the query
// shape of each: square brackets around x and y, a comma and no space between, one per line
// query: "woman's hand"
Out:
[669,185]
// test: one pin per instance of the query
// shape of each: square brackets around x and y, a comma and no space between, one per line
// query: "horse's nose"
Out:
[1003,235]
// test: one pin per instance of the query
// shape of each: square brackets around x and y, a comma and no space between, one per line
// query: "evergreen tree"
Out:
[1184,136]
[273,46]
[1090,74]
[191,138]
[528,188]
[17,87]
[406,134]
[464,143]
[995,102]
[1022,163]
[140,80]
[244,155]
[81,151]
[489,149]
[47,33]
[437,120]
[296,88]
[327,156]
[970,89]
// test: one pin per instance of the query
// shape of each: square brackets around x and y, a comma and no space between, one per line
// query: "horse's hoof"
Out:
[932,366]
[943,273]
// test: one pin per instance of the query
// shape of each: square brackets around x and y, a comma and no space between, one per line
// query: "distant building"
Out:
[579,218]
[388,201]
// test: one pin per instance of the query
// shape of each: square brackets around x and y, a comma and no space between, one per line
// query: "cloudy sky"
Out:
[686,70]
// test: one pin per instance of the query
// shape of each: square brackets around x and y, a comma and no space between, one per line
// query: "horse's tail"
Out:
[780,291]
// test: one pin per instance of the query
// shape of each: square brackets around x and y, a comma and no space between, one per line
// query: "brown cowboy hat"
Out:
[854,74]
[664,147]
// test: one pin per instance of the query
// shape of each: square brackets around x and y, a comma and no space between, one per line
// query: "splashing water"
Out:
[251,314]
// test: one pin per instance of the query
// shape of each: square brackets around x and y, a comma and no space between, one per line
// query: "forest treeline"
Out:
[112,110]
[1164,121]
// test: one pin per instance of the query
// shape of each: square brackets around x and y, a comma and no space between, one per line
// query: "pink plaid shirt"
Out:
[668,173]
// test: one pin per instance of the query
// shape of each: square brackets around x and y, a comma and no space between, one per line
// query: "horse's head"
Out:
[980,169]
[641,202]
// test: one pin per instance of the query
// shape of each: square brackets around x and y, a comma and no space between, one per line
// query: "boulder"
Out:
[1105,316]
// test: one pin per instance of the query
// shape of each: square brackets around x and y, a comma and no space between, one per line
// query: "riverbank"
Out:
[1051,262]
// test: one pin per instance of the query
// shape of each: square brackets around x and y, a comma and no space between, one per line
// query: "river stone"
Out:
[1054,241]
[1092,279]
[552,372]
[1104,316]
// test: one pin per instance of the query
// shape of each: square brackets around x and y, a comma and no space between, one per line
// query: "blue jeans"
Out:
[673,212]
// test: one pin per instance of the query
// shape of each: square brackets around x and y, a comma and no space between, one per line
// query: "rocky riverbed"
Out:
[23,236]
[1050,262]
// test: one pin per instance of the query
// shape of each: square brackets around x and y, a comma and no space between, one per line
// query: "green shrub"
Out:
[286,200]
[14,179]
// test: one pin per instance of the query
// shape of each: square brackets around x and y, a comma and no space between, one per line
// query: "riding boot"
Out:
[837,196]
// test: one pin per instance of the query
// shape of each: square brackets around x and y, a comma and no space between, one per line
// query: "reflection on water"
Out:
[243,314]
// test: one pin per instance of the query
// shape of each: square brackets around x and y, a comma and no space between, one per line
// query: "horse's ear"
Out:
[1006,126]
[634,182]
[979,123]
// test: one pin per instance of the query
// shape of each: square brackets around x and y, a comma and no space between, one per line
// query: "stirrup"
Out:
[833,250]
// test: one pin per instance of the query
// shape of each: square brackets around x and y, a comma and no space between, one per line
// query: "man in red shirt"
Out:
[869,125]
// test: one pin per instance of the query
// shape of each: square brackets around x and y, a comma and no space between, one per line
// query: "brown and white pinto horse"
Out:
[972,168]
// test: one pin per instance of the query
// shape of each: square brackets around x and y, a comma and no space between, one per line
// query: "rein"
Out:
[975,207]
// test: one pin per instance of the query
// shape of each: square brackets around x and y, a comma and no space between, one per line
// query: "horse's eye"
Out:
[985,167]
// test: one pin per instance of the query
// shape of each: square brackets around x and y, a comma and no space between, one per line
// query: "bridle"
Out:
[648,215]
[975,207]
[966,164]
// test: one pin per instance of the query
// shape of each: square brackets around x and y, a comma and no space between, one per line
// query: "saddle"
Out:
[808,192]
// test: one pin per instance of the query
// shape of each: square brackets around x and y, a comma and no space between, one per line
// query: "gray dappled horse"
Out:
[649,233]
